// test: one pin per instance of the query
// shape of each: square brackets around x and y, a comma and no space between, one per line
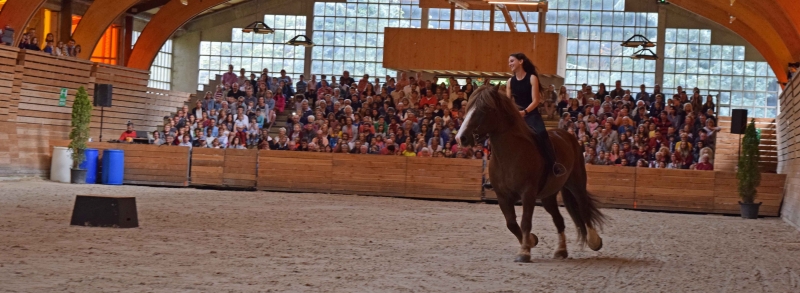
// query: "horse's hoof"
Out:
[560,254]
[535,240]
[524,258]
[596,244]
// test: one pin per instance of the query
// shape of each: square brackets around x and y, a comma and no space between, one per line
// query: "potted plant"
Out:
[747,172]
[81,117]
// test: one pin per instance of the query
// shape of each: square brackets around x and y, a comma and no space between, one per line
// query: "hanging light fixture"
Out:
[258,26]
[732,2]
[731,18]
[185,2]
[301,40]
[644,54]
[638,40]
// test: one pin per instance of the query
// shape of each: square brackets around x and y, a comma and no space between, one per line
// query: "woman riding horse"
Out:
[519,171]
[525,89]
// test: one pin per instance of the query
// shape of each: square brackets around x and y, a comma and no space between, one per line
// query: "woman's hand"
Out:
[522,113]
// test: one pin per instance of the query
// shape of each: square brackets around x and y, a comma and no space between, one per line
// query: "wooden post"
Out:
[542,19]
[452,15]
[491,18]
[65,24]
[127,42]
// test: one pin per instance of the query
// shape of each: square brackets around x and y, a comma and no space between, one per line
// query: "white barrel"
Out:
[60,165]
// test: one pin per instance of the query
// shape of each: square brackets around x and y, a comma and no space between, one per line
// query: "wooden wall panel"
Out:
[441,178]
[674,190]
[789,150]
[38,117]
[470,51]
[207,167]
[240,168]
[369,175]
[612,186]
[148,164]
[8,65]
[726,154]
[295,171]
[726,193]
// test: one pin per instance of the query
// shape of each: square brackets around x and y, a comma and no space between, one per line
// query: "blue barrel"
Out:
[90,165]
[113,167]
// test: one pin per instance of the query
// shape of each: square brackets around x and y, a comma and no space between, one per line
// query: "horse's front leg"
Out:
[529,240]
[507,207]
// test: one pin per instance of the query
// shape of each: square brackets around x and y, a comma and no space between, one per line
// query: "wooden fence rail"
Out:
[677,190]
[427,178]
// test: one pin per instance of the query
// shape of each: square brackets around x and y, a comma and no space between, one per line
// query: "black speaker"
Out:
[738,121]
[102,95]
[101,211]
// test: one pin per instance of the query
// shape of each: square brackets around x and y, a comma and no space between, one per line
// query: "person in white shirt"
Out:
[187,141]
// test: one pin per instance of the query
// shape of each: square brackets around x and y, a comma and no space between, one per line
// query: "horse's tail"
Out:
[582,207]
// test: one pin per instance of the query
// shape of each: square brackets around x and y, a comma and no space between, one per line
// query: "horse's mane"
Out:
[489,98]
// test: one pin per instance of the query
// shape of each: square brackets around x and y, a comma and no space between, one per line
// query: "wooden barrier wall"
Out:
[726,154]
[411,177]
[207,165]
[303,172]
[428,178]
[789,150]
[148,164]
[677,190]
[30,87]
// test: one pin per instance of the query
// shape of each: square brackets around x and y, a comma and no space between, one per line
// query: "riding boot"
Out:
[549,154]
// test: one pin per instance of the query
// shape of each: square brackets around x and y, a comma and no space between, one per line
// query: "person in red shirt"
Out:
[130,133]
[428,99]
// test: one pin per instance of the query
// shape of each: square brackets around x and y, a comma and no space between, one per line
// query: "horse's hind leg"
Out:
[528,239]
[550,204]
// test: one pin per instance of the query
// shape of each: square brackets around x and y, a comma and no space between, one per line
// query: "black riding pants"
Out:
[536,124]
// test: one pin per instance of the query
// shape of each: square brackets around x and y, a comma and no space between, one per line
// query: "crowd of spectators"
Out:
[640,129]
[31,42]
[408,117]
[415,117]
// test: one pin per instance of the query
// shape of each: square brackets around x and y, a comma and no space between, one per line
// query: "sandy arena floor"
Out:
[226,241]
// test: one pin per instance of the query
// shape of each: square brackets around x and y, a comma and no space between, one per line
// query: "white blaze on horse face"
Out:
[464,125]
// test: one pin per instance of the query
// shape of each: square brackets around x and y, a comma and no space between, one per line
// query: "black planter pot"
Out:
[78,176]
[749,210]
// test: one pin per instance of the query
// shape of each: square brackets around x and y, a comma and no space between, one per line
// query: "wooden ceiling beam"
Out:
[94,22]
[161,26]
[776,55]
[17,14]
[511,26]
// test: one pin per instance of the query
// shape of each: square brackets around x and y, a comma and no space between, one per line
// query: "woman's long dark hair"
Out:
[529,68]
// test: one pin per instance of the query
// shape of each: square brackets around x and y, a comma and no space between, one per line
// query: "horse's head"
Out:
[488,111]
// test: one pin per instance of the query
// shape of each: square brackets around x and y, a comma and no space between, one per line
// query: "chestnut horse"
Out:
[518,172]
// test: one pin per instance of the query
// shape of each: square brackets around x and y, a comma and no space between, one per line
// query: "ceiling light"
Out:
[258,27]
[301,40]
[731,19]
[638,40]
[185,2]
[645,54]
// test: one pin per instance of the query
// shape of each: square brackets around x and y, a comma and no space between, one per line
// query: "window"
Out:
[349,35]
[691,60]
[161,69]
[254,52]
[593,28]
[594,31]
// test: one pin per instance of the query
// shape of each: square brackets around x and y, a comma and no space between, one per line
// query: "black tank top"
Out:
[521,91]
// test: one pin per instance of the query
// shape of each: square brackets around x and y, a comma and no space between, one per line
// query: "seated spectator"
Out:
[128,135]
[704,164]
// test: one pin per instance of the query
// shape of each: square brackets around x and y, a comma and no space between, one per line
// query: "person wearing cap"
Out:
[129,134]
